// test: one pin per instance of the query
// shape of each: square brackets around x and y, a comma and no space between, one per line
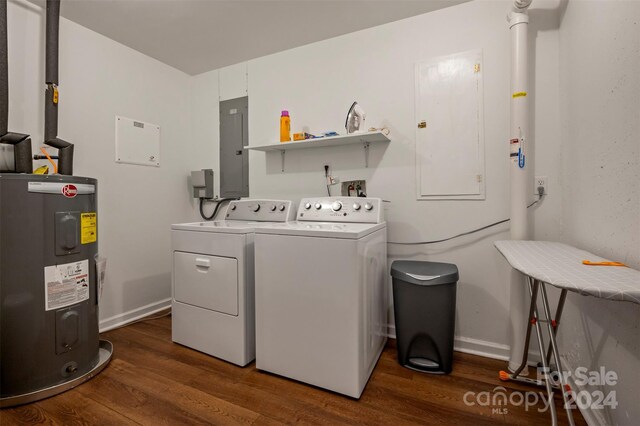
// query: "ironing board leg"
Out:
[563,297]
[533,285]
[532,307]
[556,355]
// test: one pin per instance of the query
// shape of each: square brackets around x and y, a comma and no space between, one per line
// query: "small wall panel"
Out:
[137,142]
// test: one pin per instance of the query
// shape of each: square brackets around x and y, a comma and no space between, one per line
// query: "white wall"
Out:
[233,81]
[205,119]
[317,84]
[600,59]
[99,79]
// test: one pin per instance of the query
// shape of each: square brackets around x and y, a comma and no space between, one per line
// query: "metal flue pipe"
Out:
[519,128]
[65,149]
[21,143]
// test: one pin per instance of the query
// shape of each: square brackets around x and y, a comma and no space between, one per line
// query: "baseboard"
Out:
[479,347]
[133,315]
[471,346]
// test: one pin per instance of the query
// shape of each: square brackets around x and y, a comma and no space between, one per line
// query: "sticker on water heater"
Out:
[65,285]
[88,228]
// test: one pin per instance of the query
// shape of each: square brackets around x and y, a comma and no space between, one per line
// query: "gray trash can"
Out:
[424,299]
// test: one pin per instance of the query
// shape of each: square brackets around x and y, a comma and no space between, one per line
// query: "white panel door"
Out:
[450,140]
[137,142]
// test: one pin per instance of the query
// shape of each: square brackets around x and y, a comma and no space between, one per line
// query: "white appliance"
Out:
[213,279]
[321,293]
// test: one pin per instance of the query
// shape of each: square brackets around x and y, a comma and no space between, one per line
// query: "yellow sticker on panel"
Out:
[519,95]
[88,228]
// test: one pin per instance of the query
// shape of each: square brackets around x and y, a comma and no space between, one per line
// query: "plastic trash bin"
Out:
[424,299]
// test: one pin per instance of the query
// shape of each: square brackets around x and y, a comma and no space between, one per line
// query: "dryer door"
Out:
[209,282]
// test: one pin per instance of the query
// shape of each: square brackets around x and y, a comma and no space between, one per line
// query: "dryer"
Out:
[321,293]
[213,279]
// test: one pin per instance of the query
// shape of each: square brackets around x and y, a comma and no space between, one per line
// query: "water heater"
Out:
[48,286]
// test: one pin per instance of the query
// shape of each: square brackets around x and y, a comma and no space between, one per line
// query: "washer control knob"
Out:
[273,207]
[368,206]
[356,206]
[336,206]
[307,206]
[256,207]
[233,207]
[282,207]
[318,206]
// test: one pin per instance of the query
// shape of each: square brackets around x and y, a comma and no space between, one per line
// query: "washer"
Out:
[321,293]
[213,279]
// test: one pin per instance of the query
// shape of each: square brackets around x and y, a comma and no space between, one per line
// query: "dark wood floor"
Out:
[151,381]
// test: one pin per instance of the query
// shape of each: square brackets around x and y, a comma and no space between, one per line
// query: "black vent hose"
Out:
[217,208]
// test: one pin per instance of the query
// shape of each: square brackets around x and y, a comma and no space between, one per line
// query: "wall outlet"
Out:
[541,181]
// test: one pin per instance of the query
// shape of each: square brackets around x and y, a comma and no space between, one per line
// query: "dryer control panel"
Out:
[261,210]
[341,209]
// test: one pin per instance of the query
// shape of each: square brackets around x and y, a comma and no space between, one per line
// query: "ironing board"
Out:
[560,265]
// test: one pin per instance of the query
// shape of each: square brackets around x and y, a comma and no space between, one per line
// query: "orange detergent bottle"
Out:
[285,127]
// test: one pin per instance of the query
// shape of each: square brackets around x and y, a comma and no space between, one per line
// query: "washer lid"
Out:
[221,226]
[322,229]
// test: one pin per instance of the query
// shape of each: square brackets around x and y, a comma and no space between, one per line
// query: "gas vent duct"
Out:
[21,143]
[65,149]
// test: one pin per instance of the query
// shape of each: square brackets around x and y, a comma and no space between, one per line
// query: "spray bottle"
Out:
[285,127]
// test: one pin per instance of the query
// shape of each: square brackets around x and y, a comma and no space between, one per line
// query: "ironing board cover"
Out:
[561,266]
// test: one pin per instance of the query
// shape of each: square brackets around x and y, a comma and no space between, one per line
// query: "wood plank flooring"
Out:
[152,381]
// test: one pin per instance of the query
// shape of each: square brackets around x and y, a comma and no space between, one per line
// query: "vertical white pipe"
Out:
[519,25]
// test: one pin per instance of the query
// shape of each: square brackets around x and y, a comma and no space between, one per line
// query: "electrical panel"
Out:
[234,136]
[450,128]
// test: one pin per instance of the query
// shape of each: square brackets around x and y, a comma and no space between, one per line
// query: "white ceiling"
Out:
[201,35]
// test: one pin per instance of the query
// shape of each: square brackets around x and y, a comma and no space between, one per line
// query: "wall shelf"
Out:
[365,139]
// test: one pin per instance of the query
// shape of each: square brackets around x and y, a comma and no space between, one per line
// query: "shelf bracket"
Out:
[366,154]
[282,153]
